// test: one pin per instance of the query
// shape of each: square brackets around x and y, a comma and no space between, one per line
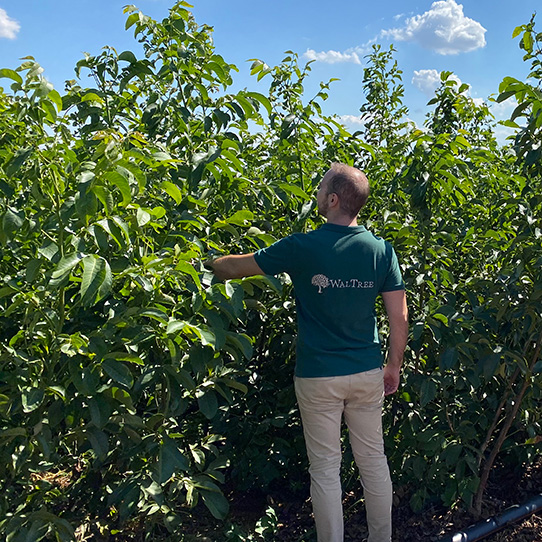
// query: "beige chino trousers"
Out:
[322,403]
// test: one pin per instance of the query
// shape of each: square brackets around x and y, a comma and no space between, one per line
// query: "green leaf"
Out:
[123,397]
[206,336]
[428,392]
[117,229]
[262,99]
[186,380]
[50,110]
[64,268]
[143,217]
[7,189]
[86,380]
[120,229]
[257,66]
[293,189]
[505,95]
[449,358]
[128,56]
[92,97]
[517,31]
[11,74]
[6,291]
[240,218]
[489,364]
[170,460]
[35,532]
[236,294]
[214,500]
[208,404]
[288,126]
[12,222]
[234,384]
[121,182]
[59,391]
[31,399]
[185,267]
[519,110]
[12,433]
[129,503]
[175,326]
[17,161]
[99,442]
[132,172]
[86,204]
[452,453]
[118,372]
[528,42]
[100,411]
[56,99]
[242,342]
[124,356]
[199,356]
[126,496]
[161,156]
[204,157]
[97,280]
[131,20]
[172,190]
[105,196]
[155,314]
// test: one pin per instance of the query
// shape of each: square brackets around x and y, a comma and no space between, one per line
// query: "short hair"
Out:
[352,187]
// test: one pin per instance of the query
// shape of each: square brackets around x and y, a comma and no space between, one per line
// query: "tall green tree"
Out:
[134,386]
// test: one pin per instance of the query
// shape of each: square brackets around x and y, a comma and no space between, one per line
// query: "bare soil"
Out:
[295,524]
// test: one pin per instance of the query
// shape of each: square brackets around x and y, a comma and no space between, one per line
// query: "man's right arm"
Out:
[396,309]
[235,266]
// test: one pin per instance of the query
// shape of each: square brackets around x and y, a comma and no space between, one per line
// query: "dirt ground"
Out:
[295,523]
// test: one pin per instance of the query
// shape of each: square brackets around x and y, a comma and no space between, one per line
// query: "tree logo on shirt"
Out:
[321,281]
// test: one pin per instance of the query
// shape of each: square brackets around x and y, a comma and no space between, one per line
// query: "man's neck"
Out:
[342,220]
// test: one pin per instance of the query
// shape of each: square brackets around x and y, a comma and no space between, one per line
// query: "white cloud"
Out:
[8,26]
[444,29]
[365,49]
[351,120]
[332,57]
[502,133]
[426,80]
[504,109]
[429,80]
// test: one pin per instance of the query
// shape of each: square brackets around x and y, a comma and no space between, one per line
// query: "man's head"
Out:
[343,188]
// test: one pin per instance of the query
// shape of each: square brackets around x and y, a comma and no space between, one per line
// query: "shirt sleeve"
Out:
[393,280]
[280,257]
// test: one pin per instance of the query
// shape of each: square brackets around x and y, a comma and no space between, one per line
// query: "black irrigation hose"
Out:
[491,525]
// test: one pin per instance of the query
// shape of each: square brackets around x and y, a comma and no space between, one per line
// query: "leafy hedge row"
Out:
[133,385]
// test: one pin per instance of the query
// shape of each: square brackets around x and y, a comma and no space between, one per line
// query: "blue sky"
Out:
[470,38]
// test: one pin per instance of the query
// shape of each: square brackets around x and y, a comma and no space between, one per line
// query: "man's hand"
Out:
[392,376]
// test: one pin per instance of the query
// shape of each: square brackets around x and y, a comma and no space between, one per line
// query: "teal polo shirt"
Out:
[337,273]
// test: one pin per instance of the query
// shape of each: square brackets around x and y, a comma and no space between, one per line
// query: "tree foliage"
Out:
[134,385]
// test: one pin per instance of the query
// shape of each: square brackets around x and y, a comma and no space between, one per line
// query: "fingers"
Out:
[389,389]
[391,380]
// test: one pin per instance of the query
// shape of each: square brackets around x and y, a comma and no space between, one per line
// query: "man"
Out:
[338,271]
